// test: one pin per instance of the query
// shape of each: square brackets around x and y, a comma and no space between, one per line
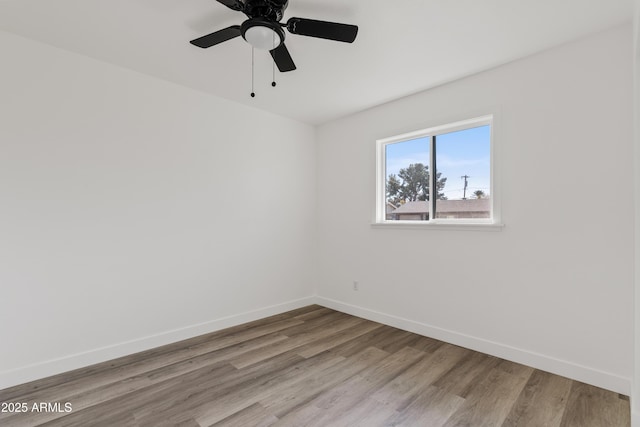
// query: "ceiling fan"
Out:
[263,29]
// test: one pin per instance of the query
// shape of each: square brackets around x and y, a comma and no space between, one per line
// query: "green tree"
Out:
[393,189]
[414,185]
[479,194]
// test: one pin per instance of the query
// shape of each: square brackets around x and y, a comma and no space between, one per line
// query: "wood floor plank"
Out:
[426,344]
[314,314]
[255,415]
[590,406]
[402,340]
[188,423]
[489,403]
[375,338]
[267,385]
[219,401]
[120,420]
[182,400]
[330,341]
[541,403]
[366,413]
[338,401]
[294,396]
[295,341]
[432,407]
[302,416]
[330,320]
[401,389]
[314,366]
[302,310]
[466,374]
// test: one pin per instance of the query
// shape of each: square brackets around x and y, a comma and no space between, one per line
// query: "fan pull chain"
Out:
[273,64]
[273,83]
[253,94]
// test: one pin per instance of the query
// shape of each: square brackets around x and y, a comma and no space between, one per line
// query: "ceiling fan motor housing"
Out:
[269,9]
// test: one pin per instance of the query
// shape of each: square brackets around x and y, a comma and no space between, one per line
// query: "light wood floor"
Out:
[315,367]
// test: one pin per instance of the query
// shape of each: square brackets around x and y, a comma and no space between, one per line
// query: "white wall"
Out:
[134,212]
[635,398]
[554,288]
[131,215]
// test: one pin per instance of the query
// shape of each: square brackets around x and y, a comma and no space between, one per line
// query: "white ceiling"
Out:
[403,46]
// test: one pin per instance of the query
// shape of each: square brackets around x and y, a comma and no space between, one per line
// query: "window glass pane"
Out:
[407,180]
[463,163]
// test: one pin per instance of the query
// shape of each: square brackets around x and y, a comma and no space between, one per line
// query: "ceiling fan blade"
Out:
[282,58]
[233,4]
[323,29]
[217,37]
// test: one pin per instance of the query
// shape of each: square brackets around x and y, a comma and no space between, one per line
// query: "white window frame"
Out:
[491,224]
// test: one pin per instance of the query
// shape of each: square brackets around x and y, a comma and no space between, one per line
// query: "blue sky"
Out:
[465,152]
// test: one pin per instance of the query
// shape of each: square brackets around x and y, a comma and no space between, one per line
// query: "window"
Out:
[461,189]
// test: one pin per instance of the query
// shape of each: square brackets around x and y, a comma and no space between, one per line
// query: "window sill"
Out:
[436,225]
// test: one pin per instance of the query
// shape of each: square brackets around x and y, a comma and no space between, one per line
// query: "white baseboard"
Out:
[560,367]
[68,363]
[539,361]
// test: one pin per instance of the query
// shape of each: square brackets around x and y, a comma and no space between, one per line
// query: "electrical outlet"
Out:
[355,285]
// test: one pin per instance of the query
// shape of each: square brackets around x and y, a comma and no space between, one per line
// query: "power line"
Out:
[460,189]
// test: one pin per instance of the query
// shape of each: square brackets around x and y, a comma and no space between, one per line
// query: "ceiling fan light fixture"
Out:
[263,29]
[262,34]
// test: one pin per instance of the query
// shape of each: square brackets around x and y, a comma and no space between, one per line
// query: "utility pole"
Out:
[465,177]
